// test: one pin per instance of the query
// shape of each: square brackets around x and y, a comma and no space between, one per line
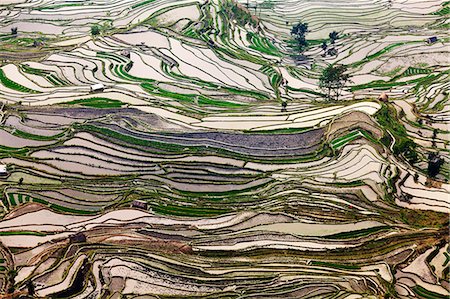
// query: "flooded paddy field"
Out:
[224,149]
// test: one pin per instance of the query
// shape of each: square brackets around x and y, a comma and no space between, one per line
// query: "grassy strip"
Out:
[122,73]
[381,52]
[141,3]
[368,136]
[63,209]
[12,200]
[340,141]
[202,100]
[111,56]
[21,233]
[59,6]
[248,93]
[262,44]
[342,138]
[357,233]
[97,103]
[188,211]
[307,91]
[34,71]
[412,71]
[71,211]
[383,85]
[422,292]
[13,85]
[8,151]
[443,11]
[27,135]
[347,140]
[191,98]
[350,184]
[336,266]
[193,80]
[55,80]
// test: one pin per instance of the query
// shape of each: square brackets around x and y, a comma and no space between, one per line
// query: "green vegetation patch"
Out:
[381,52]
[14,85]
[336,266]
[262,44]
[21,233]
[48,75]
[412,71]
[190,98]
[8,151]
[188,210]
[58,6]
[445,10]
[97,103]
[247,93]
[387,118]
[357,233]
[63,209]
[27,135]
[142,3]
[384,85]
[341,141]
[424,293]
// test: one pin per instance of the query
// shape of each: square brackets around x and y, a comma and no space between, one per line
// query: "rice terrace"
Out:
[224,149]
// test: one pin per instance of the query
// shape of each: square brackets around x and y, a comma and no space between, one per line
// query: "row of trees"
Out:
[434,164]
[95,30]
[299,31]
[333,78]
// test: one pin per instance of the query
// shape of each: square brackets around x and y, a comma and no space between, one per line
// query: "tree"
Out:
[283,106]
[14,30]
[12,273]
[95,30]
[298,32]
[333,80]
[300,29]
[30,287]
[332,52]
[434,164]
[302,43]
[324,46]
[333,36]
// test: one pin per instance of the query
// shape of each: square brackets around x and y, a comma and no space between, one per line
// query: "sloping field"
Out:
[190,149]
